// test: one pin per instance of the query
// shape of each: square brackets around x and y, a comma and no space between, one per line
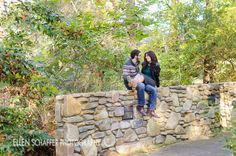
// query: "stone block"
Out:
[130,135]
[93,99]
[119,133]
[170,140]
[71,132]
[108,141]
[153,128]
[86,128]
[115,97]
[175,99]
[187,105]
[115,126]
[189,117]
[90,105]
[159,139]
[86,134]
[163,91]
[163,107]
[59,133]
[71,106]
[88,147]
[102,101]
[88,117]
[58,110]
[173,121]
[179,130]
[100,113]
[136,123]
[124,124]
[141,130]
[63,149]
[119,111]
[104,124]
[73,119]
[98,135]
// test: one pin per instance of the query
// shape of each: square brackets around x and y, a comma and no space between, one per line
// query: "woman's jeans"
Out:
[152,92]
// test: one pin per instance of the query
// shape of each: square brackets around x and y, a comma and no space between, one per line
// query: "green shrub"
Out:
[18,127]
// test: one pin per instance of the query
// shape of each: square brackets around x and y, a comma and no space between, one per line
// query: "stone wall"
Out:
[92,124]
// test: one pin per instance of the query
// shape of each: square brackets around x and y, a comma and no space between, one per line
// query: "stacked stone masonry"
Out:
[93,124]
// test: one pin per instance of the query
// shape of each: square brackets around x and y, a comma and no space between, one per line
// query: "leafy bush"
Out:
[18,126]
[231,139]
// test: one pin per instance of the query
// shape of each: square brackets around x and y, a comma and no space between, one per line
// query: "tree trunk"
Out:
[209,64]
[208,76]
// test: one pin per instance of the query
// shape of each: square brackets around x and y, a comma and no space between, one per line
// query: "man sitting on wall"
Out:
[133,79]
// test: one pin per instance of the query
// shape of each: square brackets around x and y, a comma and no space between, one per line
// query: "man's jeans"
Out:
[141,88]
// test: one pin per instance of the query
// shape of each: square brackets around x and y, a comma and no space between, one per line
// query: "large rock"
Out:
[119,133]
[202,104]
[175,99]
[63,149]
[124,124]
[98,135]
[88,147]
[136,123]
[101,113]
[115,97]
[193,93]
[119,111]
[189,117]
[173,121]
[141,130]
[211,113]
[187,105]
[104,124]
[59,134]
[159,139]
[193,132]
[88,117]
[164,91]
[130,135]
[90,105]
[93,99]
[115,126]
[102,101]
[86,128]
[163,107]
[108,141]
[153,128]
[179,130]
[58,110]
[73,119]
[71,132]
[71,106]
[170,139]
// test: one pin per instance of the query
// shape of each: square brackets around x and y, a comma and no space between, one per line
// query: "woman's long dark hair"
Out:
[153,58]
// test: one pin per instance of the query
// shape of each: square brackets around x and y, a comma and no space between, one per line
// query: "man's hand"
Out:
[139,78]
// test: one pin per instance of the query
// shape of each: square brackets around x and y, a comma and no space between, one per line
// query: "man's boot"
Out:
[141,110]
[152,113]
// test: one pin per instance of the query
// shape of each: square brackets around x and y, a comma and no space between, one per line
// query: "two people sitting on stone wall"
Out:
[147,80]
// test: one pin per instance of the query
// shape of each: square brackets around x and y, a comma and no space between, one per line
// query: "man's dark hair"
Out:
[134,53]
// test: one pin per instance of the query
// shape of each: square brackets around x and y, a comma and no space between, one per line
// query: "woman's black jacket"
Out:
[155,72]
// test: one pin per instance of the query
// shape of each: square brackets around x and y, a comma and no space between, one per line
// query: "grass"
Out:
[231,136]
